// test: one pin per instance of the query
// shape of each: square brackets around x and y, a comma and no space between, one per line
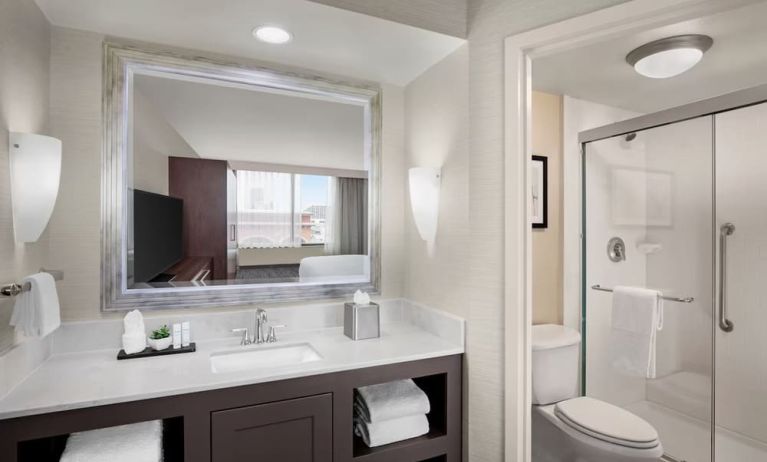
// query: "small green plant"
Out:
[162,332]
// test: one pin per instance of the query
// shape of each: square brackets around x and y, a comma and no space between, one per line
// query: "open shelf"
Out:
[50,449]
[421,448]
[442,458]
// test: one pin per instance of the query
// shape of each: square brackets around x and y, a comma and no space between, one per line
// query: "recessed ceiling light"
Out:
[272,34]
[670,56]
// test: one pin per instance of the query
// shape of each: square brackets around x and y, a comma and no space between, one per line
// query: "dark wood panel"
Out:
[202,185]
[297,430]
[189,268]
[192,413]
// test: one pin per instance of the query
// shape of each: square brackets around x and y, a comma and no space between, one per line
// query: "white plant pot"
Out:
[160,344]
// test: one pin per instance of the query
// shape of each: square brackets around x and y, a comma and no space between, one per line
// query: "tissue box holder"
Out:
[362,321]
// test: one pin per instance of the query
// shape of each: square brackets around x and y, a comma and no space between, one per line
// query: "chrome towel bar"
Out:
[13,289]
[673,299]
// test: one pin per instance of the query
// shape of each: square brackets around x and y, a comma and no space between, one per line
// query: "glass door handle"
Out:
[725,230]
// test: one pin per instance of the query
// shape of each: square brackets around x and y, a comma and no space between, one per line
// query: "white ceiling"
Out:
[599,72]
[237,124]
[325,38]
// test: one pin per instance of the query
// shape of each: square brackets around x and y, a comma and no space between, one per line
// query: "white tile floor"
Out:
[688,439]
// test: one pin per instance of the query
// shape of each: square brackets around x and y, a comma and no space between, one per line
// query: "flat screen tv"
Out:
[157,224]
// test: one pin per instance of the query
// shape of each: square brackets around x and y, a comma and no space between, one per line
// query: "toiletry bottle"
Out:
[177,335]
[185,334]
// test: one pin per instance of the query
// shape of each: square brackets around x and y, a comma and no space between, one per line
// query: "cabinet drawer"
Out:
[295,430]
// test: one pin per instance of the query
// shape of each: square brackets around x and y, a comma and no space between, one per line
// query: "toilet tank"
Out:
[555,363]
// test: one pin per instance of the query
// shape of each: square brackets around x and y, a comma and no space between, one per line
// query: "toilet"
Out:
[572,428]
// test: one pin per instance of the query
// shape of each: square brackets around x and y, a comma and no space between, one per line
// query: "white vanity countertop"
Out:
[94,378]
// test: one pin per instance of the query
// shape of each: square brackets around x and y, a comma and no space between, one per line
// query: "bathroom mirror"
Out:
[224,184]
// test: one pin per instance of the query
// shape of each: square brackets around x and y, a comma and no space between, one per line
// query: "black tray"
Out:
[150,352]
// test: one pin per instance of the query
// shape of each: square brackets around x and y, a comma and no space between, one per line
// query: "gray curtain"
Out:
[347,223]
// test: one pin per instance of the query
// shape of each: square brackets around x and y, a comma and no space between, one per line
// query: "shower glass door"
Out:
[741,315]
[651,194]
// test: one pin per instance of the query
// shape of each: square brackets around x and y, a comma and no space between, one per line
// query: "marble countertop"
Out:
[93,378]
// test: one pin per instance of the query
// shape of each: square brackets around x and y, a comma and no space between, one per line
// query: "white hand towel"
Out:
[134,338]
[391,400]
[391,431]
[37,311]
[637,316]
[141,442]
[133,343]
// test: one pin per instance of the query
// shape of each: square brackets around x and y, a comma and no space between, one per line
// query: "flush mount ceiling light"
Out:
[272,34]
[669,56]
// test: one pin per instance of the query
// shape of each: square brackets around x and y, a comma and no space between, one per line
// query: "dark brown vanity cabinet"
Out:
[295,430]
[306,419]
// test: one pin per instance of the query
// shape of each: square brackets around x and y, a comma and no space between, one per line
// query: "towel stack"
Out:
[390,412]
[140,442]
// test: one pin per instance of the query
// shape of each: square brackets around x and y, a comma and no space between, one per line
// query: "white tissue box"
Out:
[362,321]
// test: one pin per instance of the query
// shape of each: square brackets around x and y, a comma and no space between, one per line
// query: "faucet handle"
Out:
[273,333]
[245,339]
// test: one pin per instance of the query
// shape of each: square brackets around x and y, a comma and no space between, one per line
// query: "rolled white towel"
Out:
[391,431]
[140,442]
[390,400]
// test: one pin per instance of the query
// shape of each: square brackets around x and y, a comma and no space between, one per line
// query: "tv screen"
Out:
[157,232]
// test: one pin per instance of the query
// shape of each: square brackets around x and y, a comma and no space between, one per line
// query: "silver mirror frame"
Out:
[120,63]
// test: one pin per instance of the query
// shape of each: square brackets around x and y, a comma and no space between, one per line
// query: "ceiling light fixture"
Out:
[272,34]
[670,56]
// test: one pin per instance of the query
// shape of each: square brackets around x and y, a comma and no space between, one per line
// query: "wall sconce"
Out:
[424,200]
[35,173]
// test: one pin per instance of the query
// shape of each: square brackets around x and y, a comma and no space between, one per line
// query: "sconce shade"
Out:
[424,200]
[35,173]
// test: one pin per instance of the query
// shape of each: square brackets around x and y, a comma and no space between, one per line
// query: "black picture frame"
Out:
[543,221]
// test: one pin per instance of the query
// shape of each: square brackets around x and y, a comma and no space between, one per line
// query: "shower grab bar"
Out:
[664,297]
[727,229]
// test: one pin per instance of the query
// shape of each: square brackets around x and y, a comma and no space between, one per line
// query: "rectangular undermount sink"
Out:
[263,357]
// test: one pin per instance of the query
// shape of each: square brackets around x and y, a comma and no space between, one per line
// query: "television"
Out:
[157,230]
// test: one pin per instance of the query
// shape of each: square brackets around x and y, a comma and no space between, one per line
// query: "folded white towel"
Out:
[391,400]
[391,431]
[134,338]
[37,312]
[141,442]
[637,316]
[134,343]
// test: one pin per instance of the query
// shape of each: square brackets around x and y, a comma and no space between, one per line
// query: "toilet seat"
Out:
[607,422]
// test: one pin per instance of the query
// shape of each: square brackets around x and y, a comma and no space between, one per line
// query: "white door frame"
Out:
[520,50]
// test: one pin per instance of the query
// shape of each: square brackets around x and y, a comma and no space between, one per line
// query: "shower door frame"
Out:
[519,52]
[705,108]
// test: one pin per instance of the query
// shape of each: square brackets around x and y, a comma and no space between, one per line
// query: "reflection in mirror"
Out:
[231,184]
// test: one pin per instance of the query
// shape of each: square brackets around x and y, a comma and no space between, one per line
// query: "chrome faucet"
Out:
[259,335]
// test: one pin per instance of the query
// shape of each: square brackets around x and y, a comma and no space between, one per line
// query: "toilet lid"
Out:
[607,422]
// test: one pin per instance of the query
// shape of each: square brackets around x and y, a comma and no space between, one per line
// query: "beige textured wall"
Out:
[76,119]
[445,16]
[490,22]
[547,242]
[24,82]
[437,135]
